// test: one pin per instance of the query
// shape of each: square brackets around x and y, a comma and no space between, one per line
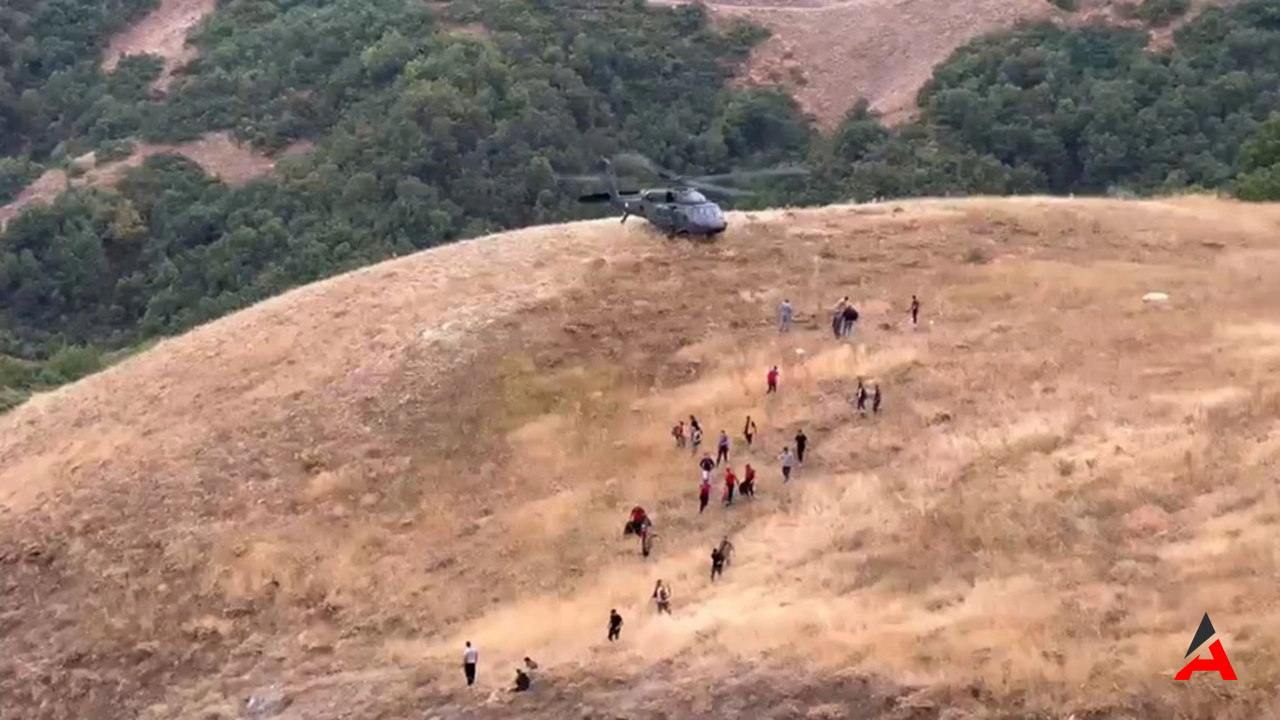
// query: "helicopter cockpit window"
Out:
[707,213]
[692,196]
[657,196]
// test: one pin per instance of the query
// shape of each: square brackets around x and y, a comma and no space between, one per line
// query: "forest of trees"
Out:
[427,132]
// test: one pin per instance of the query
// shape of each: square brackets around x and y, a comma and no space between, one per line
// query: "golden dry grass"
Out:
[332,490]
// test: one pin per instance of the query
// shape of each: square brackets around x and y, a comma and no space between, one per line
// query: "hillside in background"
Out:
[320,498]
[408,125]
[832,53]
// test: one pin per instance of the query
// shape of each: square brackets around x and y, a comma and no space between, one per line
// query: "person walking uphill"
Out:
[749,430]
[772,379]
[730,482]
[662,597]
[470,656]
[677,432]
[875,399]
[837,316]
[860,397]
[802,441]
[915,310]
[704,493]
[785,314]
[747,488]
[707,465]
[848,319]
[787,462]
[722,448]
[615,625]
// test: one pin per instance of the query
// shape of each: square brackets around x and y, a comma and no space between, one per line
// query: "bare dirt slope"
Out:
[162,32]
[218,153]
[319,498]
[830,53]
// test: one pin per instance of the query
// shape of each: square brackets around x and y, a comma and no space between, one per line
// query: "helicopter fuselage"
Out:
[675,211]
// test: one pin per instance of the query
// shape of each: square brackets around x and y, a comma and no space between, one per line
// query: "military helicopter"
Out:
[677,210]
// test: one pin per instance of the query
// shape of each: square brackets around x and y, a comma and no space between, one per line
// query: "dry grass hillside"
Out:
[830,53]
[317,500]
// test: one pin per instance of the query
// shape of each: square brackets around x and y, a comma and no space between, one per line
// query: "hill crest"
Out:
[330,490]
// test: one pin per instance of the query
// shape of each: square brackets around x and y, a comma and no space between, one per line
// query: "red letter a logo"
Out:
[1219,664]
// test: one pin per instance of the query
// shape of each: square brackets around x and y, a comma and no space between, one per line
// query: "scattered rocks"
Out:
[1146,520]
[238,609]
[267,703]
[316,641]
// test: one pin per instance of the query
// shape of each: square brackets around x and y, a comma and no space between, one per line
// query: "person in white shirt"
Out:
[470,656]
[787,461]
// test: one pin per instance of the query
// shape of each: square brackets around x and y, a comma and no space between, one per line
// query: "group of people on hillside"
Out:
[524,675]
[844,316]
[843,321]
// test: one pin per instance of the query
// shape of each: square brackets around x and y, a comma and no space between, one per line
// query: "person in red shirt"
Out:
[748,486]
[639,521]
[773,380]
[730,481]
[704,495]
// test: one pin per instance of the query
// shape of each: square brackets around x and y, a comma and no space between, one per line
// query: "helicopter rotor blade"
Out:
[603,197]
[581,178]
[747,174]
[718,189]
[638,161]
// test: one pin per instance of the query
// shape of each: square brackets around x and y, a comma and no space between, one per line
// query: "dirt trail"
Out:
[163,32]
[332,490]
[218,153]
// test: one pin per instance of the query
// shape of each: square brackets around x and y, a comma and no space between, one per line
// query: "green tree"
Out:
[1260,163]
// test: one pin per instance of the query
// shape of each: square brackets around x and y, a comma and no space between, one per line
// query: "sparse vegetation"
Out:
[1159,13]
[443,448]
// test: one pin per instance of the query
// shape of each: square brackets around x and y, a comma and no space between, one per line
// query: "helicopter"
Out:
[677,210]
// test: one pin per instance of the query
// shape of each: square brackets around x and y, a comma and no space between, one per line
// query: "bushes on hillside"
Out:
[427,133]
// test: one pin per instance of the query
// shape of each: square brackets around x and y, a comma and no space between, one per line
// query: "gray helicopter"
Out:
[677,210]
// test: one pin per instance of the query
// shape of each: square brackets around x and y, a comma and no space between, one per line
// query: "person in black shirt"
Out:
[522,681]
[915,310]
[801,441]
[717,563]
[849,317]
[875,399]
[615,625]
[861,397]
[707,465]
